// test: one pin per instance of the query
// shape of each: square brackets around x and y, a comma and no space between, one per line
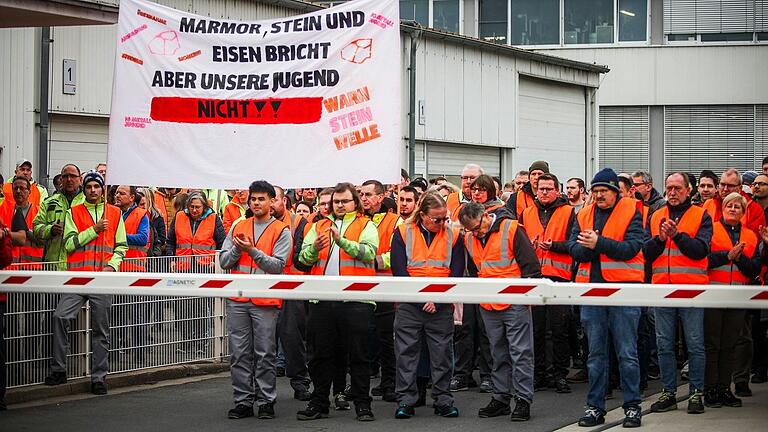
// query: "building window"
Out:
[415,10]
[445,15]
[624,138]
[588,21]
[493,21]
[633,20]
[535,22]
[715,20]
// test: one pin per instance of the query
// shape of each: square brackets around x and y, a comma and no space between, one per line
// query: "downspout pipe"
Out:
[414,34]
[42,149]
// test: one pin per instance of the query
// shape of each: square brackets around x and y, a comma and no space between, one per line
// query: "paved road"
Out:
[202,405]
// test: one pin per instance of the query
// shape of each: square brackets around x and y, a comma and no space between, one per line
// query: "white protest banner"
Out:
[307,100]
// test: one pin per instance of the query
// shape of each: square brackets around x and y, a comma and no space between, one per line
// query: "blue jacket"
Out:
[141,237]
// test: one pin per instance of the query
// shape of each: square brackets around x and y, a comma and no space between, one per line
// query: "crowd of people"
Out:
[710,231]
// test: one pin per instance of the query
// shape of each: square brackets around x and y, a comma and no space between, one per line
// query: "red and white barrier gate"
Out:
[388,289]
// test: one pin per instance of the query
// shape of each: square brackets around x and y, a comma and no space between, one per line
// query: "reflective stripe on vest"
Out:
[428,261]
[265,243]
[615,228]
[496,259]
[348,265]
[97,253]
[729,274]
[552,264]
[672,266]
[21,254]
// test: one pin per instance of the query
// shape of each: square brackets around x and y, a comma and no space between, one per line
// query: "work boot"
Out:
[494,409]
[667,402]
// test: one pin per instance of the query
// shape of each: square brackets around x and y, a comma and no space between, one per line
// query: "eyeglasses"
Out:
[728,185]
[639,184]
[760,184]
[478,226]
[477,189]
[437,220]
[342,202]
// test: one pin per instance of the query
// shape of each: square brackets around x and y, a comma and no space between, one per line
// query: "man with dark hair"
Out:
[574,191]
[525,197]
[548,224]
[259,244]
[521,179]
[343,244]
[372,195]
[408,197]
[18,215]
[706,188]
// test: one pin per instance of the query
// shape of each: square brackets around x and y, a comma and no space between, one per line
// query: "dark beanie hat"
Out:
[606,177]
[539,165]
[93,176]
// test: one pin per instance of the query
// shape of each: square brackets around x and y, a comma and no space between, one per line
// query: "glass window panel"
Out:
[415,10]
[633,20]
[535,22]
[446,15]
[681,37]
[493,20]
[762,36]
[726,37]
[588,21]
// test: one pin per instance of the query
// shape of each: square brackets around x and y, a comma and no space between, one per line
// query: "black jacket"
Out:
[545,213]
[512,201]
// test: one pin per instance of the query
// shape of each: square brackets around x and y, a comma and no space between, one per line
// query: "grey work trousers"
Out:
[253,349]
[292,330]
[510,332]
[412,326]
[67,310]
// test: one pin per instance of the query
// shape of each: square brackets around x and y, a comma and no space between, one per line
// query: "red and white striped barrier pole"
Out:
[388,289]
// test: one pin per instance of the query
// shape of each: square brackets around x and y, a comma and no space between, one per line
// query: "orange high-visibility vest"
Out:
[643,209]
[714,207]
[672,267]
[233,211]
[386,228]
[522,202]
[729,274]
[292,221]
[552,264]
[265,243]
[453,204]
[137,254]
[497,258]
[199,243]
[348,266]
[428,261]
[615,228]
[21,254]
[34,194]
[98,252]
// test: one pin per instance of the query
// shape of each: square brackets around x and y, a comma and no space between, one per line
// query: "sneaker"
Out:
[446,411]
[684,372]
[240,412]
[486,386]
[667,402]
[522,411]
[494,409]
[728,399]
[98,388]
[364,413]
[266,411]
[712,398]
[592,417]
[759,377]
[561,386]
[458,384]
[56,378]
[302,395]
[654,373]
[340,402]
[695,403]
[389,396]
[580,376]
[404,411]
[311,413]
[632,417]
[377,391]
[742,389]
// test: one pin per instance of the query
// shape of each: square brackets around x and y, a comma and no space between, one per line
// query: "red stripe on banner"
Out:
[437,288]
[359,286]
[761,296]
[16,279]
[300,110]
[145,282]
[600,292]
[215,284]
[683,294]
[78,281]
[517,289]
[283,285]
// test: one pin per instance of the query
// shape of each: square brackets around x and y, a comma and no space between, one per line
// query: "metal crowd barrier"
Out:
[145,331]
